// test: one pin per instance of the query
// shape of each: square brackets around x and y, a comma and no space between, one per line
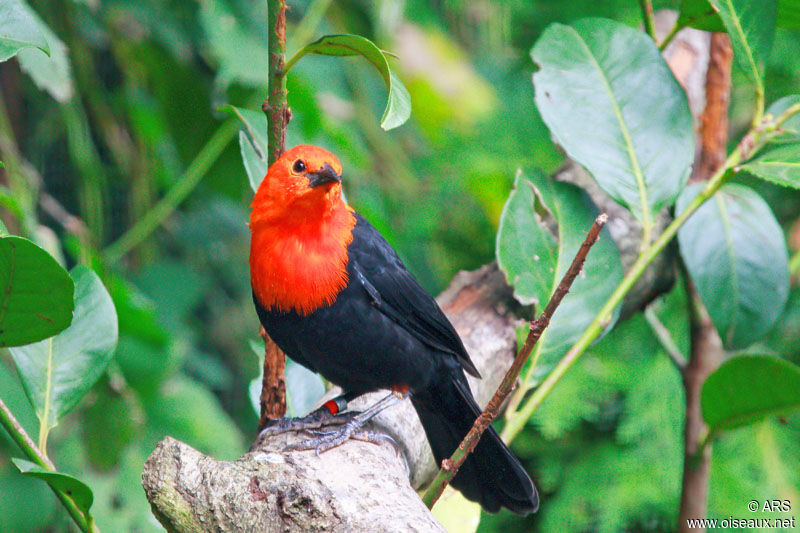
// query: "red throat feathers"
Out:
[300,229]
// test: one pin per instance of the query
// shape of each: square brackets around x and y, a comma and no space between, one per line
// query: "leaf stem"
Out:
[177,194]
[649,17]
[794,264]
[751,142]
[665,338]
[44,420]
[28,447]
[450,466]
[671,35]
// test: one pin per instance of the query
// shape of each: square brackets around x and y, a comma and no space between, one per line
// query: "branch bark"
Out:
[357,486]
[706,350]
[273,386]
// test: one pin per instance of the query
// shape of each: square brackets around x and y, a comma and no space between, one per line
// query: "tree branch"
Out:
[450,466]
[273,386]
[356,486]
[706,350]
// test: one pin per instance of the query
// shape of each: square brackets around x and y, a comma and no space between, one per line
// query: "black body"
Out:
[384,330]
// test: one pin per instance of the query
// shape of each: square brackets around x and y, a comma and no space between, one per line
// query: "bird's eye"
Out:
[299,166]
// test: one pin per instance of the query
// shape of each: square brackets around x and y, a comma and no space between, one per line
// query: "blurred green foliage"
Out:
[144,81]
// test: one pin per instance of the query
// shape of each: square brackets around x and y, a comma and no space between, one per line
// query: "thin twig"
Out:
[671,35]
[450,466]
[273,387]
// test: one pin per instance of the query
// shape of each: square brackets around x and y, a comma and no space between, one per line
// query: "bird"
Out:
[334,296]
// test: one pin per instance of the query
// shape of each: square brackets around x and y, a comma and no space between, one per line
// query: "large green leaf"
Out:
[18,29]
[751,26]
[58,371]
[747,389]
[73,487]
[252,142]
[699,14]
[51,72]
[611,101]
[398,105]
[789,14]
[534,261]
[780,165]
[736,256]
[36,296]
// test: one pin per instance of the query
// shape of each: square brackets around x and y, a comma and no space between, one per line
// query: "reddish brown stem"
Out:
[450,466]
[273,383]
[706,351]
[714,120]
[273,390]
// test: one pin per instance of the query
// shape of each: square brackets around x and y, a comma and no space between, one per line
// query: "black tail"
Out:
[491,475]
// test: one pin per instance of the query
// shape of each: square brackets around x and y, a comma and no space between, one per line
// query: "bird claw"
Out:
[328,439]
[316,419]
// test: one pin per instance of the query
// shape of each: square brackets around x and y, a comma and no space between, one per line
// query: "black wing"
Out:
[397,294]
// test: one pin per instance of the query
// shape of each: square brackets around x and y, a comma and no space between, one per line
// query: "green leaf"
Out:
[780,166]
[36,297]
[18,29]
[398,105]
[58,371]
[736,256]
[789,14]
[701,15]
[51,72]
[747,389]
[252,142]
[611,101]
[76,489]
[751,26]
[534,261]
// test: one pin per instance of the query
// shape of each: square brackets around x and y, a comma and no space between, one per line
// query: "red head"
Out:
[305,182]
[300,231]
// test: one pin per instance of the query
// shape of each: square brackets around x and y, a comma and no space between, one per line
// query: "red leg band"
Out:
[332,406]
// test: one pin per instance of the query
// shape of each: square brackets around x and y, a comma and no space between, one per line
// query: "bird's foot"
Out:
[326,415]
[349,429]
[326,439]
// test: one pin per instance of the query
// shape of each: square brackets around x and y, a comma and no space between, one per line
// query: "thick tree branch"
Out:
[357,486]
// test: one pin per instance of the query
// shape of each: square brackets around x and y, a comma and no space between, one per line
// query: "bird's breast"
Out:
[301,267]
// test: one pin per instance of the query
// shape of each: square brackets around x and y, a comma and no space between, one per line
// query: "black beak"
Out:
[324,175]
